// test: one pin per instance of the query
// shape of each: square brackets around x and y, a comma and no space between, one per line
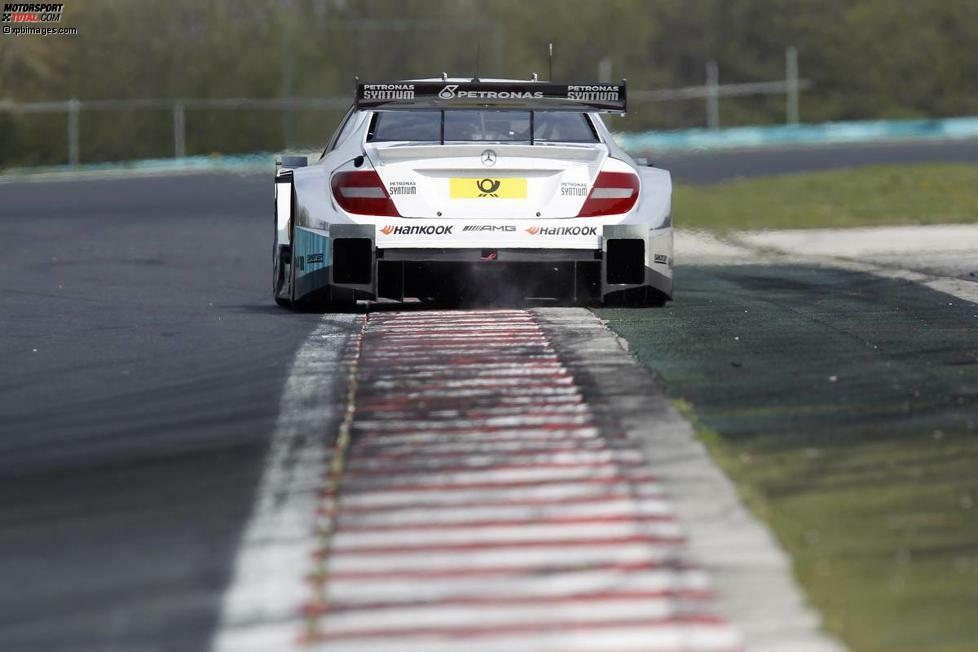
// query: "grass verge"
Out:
[864,196]
[843,407]
[891,568]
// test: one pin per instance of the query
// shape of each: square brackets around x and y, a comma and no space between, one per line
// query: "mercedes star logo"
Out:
[488,158]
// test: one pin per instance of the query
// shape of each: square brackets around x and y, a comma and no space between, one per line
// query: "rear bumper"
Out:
[347,260]
[489,255]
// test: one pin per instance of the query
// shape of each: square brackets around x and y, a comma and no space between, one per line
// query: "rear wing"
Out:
[530,95]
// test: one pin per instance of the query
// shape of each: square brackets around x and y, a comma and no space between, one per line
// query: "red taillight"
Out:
[613,193]
[362,192]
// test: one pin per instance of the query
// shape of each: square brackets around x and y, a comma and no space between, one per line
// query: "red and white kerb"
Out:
[482,507]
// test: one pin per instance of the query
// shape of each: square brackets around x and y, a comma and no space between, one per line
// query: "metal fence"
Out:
[791,87]
[713,90]
[178,107]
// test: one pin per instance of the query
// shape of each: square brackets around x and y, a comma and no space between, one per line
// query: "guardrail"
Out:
[827,133]
[636,143]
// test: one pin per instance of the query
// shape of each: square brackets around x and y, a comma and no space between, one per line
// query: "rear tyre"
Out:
[280,279]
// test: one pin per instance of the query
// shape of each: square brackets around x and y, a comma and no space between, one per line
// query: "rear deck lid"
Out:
[487,181]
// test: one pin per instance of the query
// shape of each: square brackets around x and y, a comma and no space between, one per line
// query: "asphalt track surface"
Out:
[714,166]
[142,366]
[860,356]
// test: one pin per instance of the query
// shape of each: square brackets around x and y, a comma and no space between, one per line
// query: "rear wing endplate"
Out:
[529,95]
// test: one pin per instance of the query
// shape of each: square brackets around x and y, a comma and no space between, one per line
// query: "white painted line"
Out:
[955,287]
[476,513]
[866,243]
[623,639]
[559,411]
[445,481]
[420,330]
[620,639]
[379,379]
[269,570]
[564,583]
[475,560]
[345,540]
[380,497]
[892,252]
[467,435]
[493,383]
[457,367]
[507,421]
[474,446]
[353,621]
[516,391]
[536,355]
[424,462]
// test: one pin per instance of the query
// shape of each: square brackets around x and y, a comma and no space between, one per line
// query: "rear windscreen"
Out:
[406,125]
[495,126]
[467,125]
[562,127]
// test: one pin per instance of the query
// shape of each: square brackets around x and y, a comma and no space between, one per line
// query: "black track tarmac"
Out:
[142,365]
[814,353]
[719,165]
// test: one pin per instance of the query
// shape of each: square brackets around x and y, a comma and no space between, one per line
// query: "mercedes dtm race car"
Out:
[448,188]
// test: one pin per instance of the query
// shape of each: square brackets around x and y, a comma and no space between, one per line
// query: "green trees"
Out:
[867,59]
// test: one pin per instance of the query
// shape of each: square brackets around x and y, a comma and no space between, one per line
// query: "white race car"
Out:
[444,188]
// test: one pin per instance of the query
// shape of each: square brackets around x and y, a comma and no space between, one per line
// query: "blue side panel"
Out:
[311,250]
[311,253]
